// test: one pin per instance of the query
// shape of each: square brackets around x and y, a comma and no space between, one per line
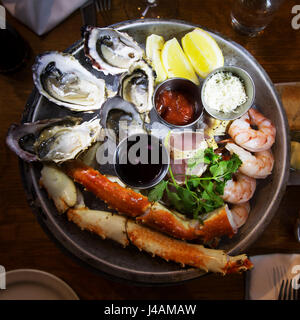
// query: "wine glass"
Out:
[250,17]
[141,9]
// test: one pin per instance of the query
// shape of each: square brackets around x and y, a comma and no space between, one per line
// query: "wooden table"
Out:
[23,244]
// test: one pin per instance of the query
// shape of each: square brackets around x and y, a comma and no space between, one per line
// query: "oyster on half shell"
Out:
[63,80]
[120,118]
[137,86]
[54,140]
[110,51]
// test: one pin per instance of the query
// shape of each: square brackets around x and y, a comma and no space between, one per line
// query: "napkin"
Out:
[260,280]
[41,16]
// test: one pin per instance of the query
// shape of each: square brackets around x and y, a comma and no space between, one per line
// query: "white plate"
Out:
[29,284]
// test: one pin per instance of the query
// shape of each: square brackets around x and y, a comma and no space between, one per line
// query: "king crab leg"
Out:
[126,231]
[135,205]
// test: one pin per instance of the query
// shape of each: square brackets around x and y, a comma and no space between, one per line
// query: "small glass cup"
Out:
[14,50]
[250,17]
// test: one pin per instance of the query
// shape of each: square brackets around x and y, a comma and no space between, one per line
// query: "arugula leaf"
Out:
[158,191]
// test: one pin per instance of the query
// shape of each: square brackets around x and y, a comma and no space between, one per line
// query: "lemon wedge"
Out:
[176,63]
[202,51]
[154,45]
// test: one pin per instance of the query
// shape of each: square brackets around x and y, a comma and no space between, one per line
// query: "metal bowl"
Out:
[182,85]
[241,109]
[130,264]
[161,154]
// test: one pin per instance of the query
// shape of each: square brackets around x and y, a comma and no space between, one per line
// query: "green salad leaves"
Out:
[198,195]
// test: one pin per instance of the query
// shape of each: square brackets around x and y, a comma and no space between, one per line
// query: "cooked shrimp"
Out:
[251,139]
[240,213]
[240,189]
[257,166]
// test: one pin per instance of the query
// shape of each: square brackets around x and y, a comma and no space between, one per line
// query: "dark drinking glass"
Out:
[13,51]
[250,17]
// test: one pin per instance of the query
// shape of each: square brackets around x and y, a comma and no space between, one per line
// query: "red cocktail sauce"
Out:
[175,108]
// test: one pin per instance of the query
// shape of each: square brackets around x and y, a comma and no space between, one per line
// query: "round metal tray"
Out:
[130,264]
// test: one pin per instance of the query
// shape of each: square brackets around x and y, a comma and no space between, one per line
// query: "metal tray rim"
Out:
[162,277]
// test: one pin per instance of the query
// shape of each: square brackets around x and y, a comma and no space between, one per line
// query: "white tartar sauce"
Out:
[224,92]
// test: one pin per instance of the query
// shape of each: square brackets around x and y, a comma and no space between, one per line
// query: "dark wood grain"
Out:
[23,244]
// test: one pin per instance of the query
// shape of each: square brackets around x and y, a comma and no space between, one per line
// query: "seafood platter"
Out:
[221,134]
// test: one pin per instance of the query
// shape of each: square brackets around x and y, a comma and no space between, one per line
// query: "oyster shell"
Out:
[121,117]
[137,86]
[63,80]
[54,140]
[110,51]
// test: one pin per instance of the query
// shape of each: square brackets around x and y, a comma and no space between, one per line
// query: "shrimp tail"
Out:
[240,189]
[253,140]
[258,165]
[240,213]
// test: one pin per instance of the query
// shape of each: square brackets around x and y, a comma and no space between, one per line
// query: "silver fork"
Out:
[278,275]
[287,292]
[104,6]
